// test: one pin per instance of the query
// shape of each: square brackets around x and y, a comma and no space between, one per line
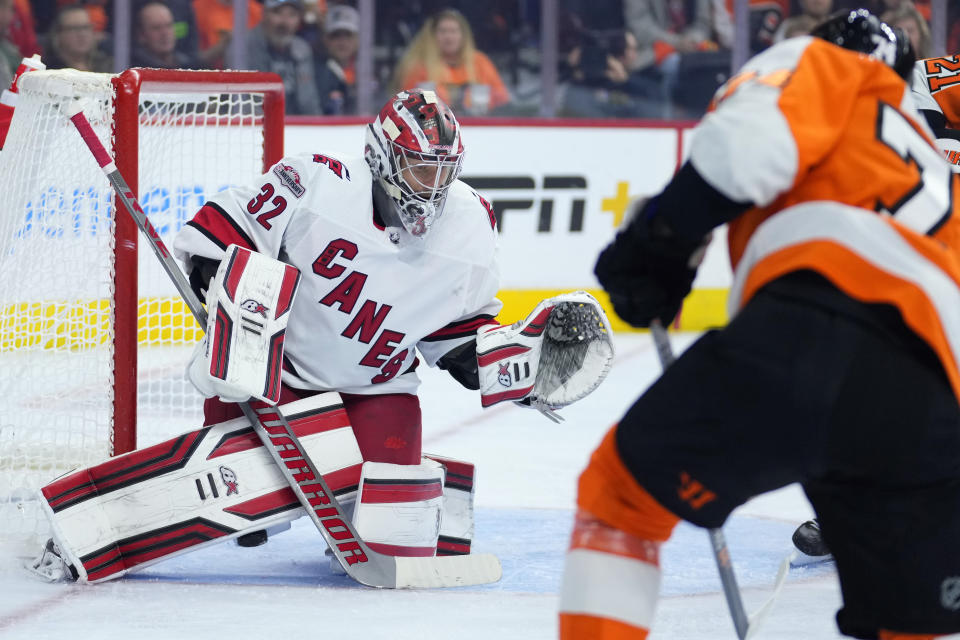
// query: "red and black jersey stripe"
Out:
[461,328]
[218,227]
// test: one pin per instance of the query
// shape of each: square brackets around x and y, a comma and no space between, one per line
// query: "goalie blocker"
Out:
[560,353]
[248,302]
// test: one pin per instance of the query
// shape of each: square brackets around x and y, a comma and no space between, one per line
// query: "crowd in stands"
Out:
[617,58]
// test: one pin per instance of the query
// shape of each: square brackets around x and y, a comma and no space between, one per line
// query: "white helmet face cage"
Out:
[416,154]
[423,180]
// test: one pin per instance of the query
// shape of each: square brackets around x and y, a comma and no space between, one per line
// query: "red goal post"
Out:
[130,86]
[93,337]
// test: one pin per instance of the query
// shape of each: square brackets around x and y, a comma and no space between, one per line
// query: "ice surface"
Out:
[527,470]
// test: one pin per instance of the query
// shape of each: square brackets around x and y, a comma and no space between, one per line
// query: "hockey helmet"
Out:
[860,30]
[415,153]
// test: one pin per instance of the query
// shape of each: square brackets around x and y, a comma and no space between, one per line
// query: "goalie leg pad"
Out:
[456,523]
[560,353]
[399,506]
[201,488]
[248,303]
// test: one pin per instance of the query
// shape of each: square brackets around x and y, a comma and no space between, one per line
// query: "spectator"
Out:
[800,25]
[22,32]
[337,76]
[72,43]
[953,27]
[215,24]
[155,40]
[444,57]
[9,53]
[923,6]
[603,85]
[275,46]
[184,24]
[674,38]
[663,27]
[42,12]
[817,10]
[765,18]
[908,18]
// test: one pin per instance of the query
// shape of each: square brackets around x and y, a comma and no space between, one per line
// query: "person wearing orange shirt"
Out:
[215,24]
[444,57]
[840,368]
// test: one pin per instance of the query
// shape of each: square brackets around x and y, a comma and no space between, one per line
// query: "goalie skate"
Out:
[51,566]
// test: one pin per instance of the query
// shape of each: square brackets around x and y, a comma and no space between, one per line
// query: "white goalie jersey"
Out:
[370,295]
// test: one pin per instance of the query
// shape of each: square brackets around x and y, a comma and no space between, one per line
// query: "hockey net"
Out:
[93,337]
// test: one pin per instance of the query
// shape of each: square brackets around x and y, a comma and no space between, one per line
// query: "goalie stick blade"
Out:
[397,572]
[760,615]
[447,571]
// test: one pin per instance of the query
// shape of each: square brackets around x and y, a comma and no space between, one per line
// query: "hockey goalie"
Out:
[322,281]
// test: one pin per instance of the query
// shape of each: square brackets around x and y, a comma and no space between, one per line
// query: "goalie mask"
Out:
[415,153]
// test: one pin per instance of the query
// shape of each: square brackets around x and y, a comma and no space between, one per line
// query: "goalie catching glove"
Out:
[561,352]
[248,304]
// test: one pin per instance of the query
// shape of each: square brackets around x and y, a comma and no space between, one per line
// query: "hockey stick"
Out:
[361,563]
[746,626]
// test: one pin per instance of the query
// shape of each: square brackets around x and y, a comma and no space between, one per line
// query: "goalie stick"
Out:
[361,563]
[745,626]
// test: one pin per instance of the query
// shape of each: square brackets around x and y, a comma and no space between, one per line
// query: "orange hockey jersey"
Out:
[830,148]
[936,87]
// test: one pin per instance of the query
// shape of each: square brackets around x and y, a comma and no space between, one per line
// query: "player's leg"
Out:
[400,500]
[388,427]
[216,411]
[612,574]
[708,435]
[889,501]
[200,488]
[388,430]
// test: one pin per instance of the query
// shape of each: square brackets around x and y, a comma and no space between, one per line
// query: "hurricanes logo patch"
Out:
[950,593]
[290,179]
[503,375]
[230,480]
[253,306]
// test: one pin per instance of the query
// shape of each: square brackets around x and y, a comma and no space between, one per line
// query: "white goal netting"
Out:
[61,378]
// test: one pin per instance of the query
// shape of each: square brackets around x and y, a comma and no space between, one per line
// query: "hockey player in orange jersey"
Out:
[845,336]
[935,84]
[936,89]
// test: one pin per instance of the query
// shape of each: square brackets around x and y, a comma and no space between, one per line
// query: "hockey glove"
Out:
[648,270]
[561,352]
[248,303]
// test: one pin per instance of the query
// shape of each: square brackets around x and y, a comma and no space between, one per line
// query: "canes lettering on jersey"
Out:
[360,317]
[366,322]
